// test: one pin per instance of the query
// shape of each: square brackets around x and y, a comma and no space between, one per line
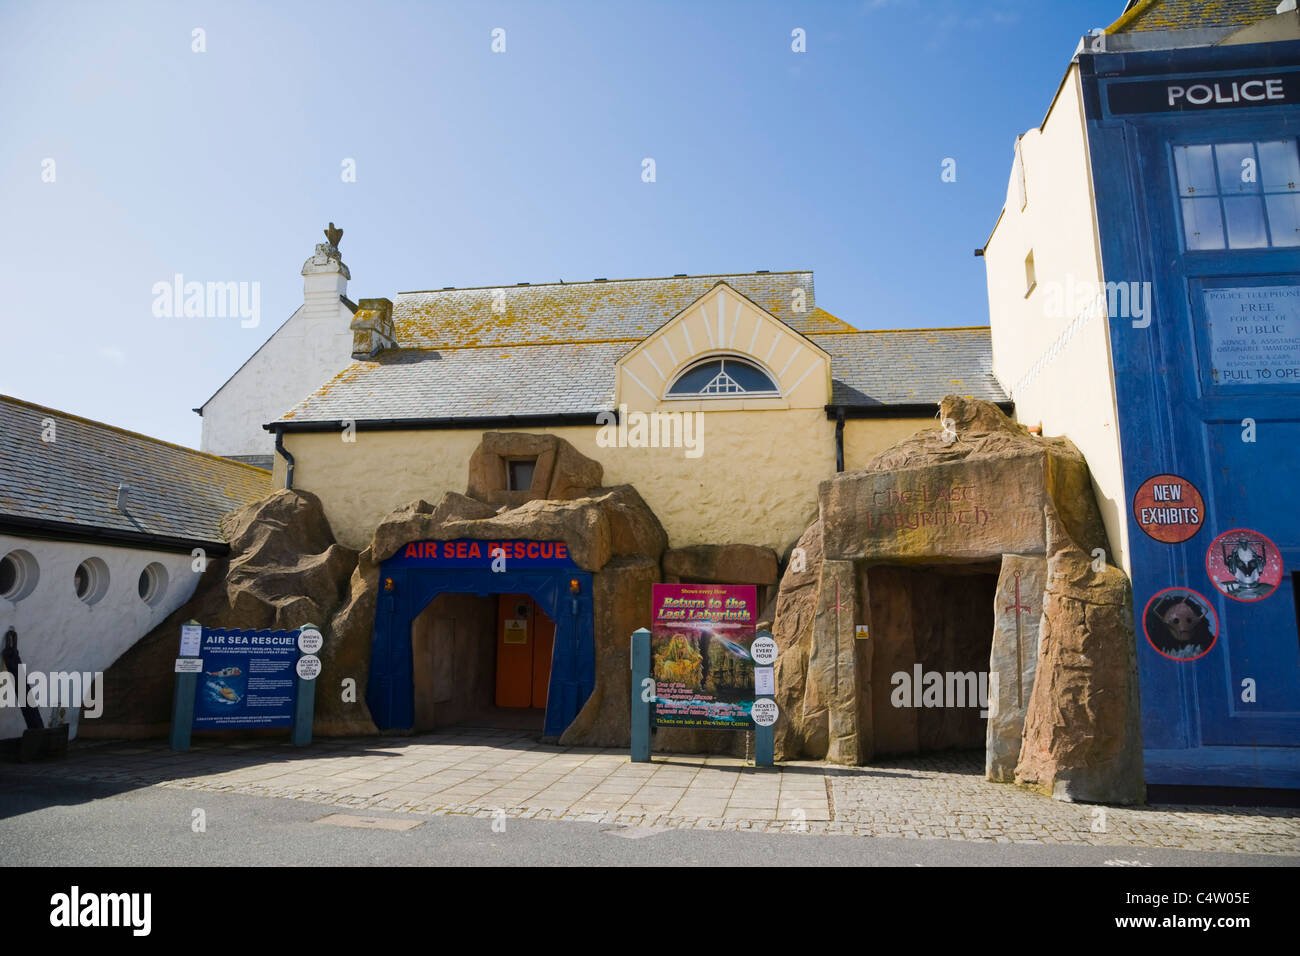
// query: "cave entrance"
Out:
[448,635]
[931,631]
[484,660]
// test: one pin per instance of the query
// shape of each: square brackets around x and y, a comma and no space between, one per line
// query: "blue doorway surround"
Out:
[421,571]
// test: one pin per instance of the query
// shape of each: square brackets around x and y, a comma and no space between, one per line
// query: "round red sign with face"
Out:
[1169,508]
[1244,565]
[1180,624]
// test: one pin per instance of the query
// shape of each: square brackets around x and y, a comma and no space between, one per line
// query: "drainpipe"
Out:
[288,458]
[839,439]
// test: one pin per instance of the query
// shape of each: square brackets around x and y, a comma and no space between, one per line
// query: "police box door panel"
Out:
[1223,202]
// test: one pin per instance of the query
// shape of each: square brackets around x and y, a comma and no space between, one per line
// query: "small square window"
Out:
[519,473]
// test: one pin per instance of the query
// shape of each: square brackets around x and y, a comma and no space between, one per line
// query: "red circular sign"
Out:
[1180,624]
[1169,508]
[1244,565]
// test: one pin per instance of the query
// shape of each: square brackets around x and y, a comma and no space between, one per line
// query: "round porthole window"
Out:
[153,584]
[90,580]
[18,575]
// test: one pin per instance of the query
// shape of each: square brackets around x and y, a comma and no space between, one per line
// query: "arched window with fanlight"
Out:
[723,377]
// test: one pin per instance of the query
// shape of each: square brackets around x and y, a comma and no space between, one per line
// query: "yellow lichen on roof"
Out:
[581,312]
[1152,15]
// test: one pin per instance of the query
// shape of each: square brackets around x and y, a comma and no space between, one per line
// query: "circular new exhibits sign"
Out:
[763,651]
[764,712]
[1168,508]
[310,640]
[309,667]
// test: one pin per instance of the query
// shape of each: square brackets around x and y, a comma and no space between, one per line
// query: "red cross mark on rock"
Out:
[1018,608]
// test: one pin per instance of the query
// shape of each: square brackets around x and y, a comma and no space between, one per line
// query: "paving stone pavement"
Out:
[508,773]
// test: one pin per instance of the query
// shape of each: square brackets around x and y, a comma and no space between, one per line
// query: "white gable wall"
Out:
[300,356]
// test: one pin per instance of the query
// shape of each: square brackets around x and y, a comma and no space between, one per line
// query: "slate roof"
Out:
[565,379]
[1151,15]
[867,368]
[618,309]
[174,492]
[911,366]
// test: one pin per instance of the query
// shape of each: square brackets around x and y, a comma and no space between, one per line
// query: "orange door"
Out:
[543,643]
[514,650]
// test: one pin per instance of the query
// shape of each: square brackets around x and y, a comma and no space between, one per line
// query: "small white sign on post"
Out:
[763,650]
[309,667]
[310,640]
[764,712]
[764,681]
[191,637]
[189,665]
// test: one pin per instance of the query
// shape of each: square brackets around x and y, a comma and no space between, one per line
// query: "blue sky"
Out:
[478,168]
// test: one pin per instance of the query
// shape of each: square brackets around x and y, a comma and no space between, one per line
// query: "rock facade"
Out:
[1017,616]
[560,471]
[905,558]
[1082,737]
[284,570]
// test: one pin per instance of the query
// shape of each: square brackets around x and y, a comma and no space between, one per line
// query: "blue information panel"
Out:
[248,679]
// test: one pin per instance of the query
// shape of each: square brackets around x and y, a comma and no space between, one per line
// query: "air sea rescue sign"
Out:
[1194,94]
[468,553]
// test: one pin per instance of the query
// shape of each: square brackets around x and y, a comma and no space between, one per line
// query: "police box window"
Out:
[1239,195]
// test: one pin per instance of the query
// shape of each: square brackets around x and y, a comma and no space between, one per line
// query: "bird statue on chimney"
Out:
[334,235]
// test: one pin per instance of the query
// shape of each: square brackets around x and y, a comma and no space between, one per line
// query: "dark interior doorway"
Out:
[484,660]
[940,618]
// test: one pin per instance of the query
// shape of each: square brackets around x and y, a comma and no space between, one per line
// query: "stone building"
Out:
[1143,278]
[475,509]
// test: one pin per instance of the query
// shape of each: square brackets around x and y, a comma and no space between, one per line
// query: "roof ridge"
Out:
[127,431]
[1132,13]
[923,328]
[531,285]
[502,345]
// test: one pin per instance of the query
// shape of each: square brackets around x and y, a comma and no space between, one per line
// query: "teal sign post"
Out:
[228,679]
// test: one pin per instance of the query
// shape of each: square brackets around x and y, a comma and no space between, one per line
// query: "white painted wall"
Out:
[57,631]
[1056,362]
[300,356]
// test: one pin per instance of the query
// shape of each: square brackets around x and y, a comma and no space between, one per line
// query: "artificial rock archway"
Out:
[983,490]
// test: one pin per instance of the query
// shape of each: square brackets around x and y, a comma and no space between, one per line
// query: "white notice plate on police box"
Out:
[189,665]
[764,681]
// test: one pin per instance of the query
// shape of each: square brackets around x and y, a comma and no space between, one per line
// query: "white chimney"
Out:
[325,278]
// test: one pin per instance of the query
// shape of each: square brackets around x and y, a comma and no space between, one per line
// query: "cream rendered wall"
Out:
[57,631]
[1051,346]
[756,482]
[866,437]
